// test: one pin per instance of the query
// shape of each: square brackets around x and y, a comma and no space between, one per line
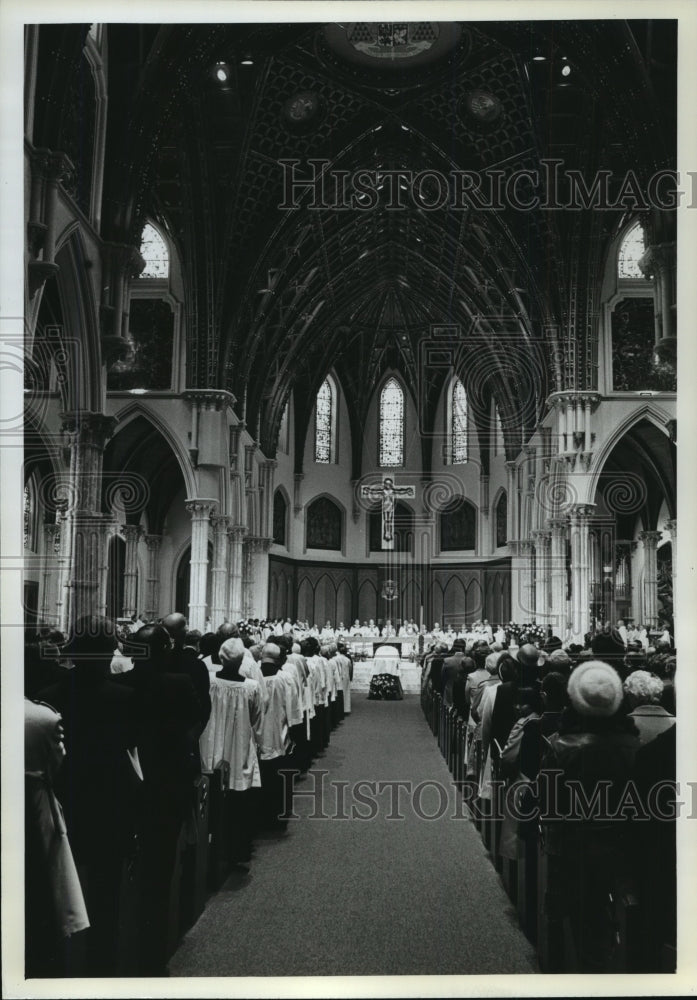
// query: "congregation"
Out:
[557,751]
[121,730]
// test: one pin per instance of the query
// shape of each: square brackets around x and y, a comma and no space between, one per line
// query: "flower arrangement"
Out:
[385,687]
[518,634]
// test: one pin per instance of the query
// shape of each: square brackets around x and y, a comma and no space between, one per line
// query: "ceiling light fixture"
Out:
[222,72]
[566,70]
[539,58]
[247,60]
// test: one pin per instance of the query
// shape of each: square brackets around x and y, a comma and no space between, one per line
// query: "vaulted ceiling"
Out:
[279,293]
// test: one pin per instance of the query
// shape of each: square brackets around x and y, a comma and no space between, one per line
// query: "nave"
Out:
[358,897]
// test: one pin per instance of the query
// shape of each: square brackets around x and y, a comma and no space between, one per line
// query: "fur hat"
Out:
[595,689]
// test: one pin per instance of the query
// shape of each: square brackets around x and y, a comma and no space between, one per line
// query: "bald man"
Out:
[185,661]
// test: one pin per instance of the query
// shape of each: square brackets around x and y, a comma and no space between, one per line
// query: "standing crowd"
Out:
[120,727]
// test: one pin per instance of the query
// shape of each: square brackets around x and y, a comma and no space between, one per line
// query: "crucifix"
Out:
[387,493]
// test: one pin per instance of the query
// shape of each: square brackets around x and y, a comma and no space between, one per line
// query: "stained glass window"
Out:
[279,518]
[459,423]
[392,424]
[501,521]
[153,250]
[631,252]
[323,424]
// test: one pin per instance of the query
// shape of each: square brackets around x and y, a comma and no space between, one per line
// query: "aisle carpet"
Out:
[381,896]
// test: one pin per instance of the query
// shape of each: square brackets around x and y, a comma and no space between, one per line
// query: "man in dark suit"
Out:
[168,717]
[452,666]
[97,786]
[186,661]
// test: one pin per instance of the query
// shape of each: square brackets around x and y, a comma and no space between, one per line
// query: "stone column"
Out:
[200,510]
[511,497]
[86,435]
[131,532]
[219,573]
[247,578]
[483,521]
[259,576]
[558,579]
[581,515]
[51,572]
[527,583]
[542,559]
[152,596]
[237,533]
[649,612]
[297,493]
[672,529]
[266,484]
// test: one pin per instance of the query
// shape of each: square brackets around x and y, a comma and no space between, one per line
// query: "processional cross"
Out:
[387,493]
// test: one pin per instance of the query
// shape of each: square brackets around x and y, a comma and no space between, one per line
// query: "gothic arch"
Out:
[133,410]
[651,412]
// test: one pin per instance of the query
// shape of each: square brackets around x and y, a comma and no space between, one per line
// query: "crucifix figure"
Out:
[387,493]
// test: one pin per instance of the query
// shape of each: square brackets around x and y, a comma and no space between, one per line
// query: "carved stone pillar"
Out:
[581,515]
[511,499]
[672,529]
[527,583]
[542,560]
[200,510]
[258,582]
[237,533]
[50,574]
[649,613]
[483,519]
[266,484]
[132,533]
[557,573]
[152,595]
[86,435]
[219,572]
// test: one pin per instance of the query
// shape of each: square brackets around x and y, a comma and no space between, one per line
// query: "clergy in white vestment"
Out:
[622,629]
[232,729]
[388,631]
[373,630]
[355,628]
[327,631]
[250,668]
[274,738]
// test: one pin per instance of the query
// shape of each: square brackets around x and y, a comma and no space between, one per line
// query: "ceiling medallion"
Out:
[302,109]
[392,45]
[481,107]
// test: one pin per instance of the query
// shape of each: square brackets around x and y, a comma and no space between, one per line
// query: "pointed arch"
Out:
[651,412]
[281,506]
[137,409]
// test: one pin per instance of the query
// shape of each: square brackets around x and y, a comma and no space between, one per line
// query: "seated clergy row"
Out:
[117,734]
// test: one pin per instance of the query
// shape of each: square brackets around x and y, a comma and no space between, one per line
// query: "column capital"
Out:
[269,463]
[526,546]
[237,531]
[558,524]
[255,543]
[650,539]
[672,527]
[582,511]
[87,427]
[131,532]
[123,257]
[220,522]
[200,506]
[541,537]
[153,542]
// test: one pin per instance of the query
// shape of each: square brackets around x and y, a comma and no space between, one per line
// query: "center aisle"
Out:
[377,896]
